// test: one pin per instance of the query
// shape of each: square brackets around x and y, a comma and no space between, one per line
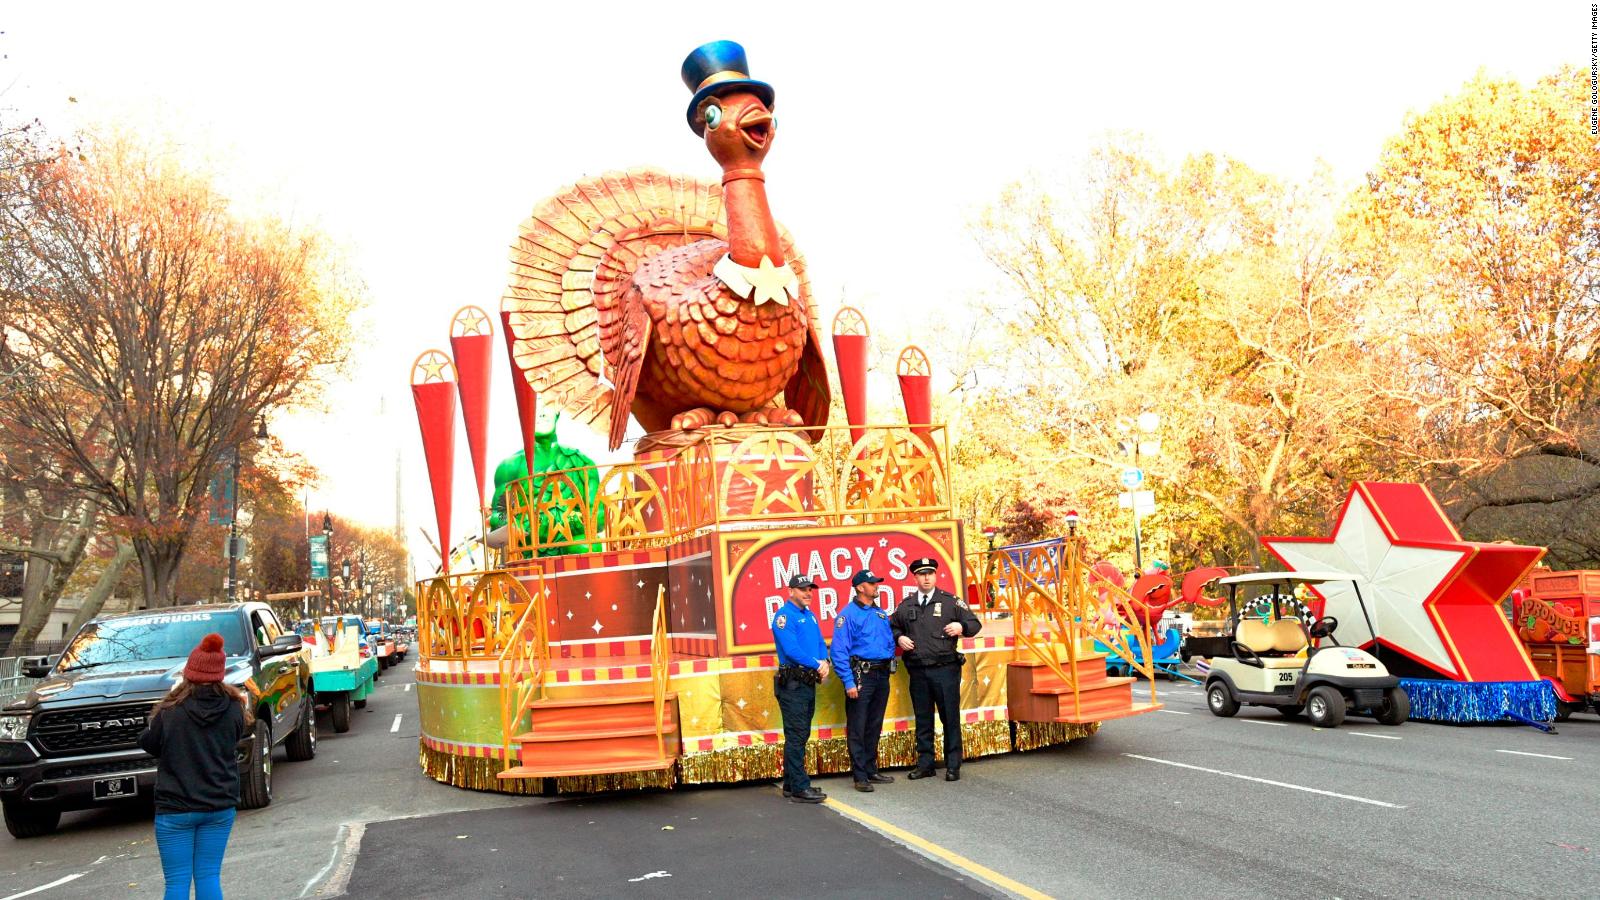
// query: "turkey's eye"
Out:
[713,116]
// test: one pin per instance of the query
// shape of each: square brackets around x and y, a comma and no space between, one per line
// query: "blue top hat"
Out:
[718,68]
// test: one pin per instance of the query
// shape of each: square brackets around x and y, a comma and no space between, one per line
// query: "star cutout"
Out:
[639,584]
[883,542]
[741,624]
[569,614]
[741,703]
[1433,597]
[588,596]
[471,320]
[597,626]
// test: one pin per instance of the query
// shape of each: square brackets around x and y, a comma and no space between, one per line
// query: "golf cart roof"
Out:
[1288,577]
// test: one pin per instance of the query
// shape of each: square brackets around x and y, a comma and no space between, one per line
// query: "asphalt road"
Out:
[1170,804]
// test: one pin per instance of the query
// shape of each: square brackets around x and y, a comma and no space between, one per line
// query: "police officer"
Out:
[928,626]
[802,665]
[863,655]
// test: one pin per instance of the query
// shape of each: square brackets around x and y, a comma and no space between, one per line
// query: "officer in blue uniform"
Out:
[863,655]
[802,665]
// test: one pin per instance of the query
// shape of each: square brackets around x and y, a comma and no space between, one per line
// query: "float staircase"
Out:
[1036,693]
[596,735]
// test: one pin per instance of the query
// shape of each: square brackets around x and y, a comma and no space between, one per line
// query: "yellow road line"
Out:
[927,846]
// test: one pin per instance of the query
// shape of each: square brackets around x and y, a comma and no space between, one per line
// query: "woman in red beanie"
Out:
[195,732]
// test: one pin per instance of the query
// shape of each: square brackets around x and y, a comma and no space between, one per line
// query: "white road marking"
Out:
[396,726]
[349,841]
[659,873]
[1282,784]
[1381,737]
[408,687]
[1265,722]
[45,887]
[1540,755]
[1174,712]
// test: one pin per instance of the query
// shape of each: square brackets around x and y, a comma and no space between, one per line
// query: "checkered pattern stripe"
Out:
[628,646]
[824,733]
[481,751]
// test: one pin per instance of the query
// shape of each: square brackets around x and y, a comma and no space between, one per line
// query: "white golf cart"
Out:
[1265,657]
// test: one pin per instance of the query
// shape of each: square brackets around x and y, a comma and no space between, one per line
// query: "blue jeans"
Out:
[191,846]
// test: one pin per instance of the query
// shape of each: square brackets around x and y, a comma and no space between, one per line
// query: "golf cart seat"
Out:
[1272,643]
[1288,636]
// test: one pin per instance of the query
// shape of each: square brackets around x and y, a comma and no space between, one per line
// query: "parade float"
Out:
[1427,604]
[620,636]
[1557,618]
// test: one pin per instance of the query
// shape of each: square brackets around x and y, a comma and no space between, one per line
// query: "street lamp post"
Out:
[233,519]
[1147,422]
[327,532]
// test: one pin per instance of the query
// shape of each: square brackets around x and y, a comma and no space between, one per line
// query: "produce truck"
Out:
[1557,618]
[343,665]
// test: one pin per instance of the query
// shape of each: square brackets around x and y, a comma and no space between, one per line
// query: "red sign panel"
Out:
[759,582]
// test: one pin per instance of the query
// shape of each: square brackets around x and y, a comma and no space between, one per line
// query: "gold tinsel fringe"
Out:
[1033,735]
[474,772]
[753,763]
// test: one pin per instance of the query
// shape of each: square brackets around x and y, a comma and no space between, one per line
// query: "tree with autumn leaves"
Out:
[148,326]
[1438,323]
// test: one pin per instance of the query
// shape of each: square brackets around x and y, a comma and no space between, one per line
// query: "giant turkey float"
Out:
[619,635]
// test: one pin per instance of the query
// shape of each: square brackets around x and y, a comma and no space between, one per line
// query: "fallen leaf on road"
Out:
[461,837]
[667,828]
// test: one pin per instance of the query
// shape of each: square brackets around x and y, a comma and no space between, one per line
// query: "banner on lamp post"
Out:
[319,556]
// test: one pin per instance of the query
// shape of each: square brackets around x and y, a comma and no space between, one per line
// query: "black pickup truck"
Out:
[72,742]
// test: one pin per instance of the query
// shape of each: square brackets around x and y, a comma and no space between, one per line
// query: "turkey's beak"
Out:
[756,128]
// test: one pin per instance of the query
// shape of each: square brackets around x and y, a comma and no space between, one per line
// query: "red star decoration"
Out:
[1434,598]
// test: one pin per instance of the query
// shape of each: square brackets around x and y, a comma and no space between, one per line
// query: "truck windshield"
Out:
[159,636]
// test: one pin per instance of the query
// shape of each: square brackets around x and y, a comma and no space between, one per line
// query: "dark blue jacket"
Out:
[860,631]
[798,637]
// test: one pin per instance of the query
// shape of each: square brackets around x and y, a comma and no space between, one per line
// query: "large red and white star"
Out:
[1432,596]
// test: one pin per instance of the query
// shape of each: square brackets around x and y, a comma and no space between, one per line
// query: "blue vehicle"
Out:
[1165,657]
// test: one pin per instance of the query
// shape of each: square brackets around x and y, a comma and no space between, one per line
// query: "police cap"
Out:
[925,564]
[864,576]
[801,581]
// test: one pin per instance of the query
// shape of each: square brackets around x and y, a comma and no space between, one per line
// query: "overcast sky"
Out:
[419,135]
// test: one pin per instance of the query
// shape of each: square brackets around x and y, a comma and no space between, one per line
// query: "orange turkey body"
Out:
[712,348]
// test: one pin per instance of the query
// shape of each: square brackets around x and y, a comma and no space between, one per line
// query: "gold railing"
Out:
[737,475]
[523,665]
[1058,603]
[660,667]
[471,615]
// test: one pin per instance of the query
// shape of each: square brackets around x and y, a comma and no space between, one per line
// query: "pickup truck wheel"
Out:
[340,710]
[31,820]
[302,745]
[1325,706]
[255,782]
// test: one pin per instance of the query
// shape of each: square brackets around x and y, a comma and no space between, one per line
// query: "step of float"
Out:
[554,735]
[599,752]
[577,714]
[1136,709]
[645,764]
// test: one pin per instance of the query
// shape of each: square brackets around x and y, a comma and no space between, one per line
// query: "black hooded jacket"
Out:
[197,743]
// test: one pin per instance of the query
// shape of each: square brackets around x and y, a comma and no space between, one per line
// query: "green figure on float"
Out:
[549,456]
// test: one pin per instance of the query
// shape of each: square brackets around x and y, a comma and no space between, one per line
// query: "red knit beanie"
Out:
[206,662]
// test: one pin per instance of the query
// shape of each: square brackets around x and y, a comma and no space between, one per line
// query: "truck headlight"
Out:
[13,728]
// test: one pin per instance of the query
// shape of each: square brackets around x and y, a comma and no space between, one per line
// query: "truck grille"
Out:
[91,729]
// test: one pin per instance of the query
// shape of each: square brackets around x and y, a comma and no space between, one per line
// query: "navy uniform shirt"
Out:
[798,637]
[860,631]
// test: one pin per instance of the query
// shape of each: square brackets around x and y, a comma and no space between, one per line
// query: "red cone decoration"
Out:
[916,377]
[527,400]
[851,340]
[472,344]
[433,387]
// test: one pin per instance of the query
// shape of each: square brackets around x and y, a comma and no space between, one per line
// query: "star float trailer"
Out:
[1272,654]
[620,633]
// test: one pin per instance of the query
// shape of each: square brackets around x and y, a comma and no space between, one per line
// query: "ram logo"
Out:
[113,723]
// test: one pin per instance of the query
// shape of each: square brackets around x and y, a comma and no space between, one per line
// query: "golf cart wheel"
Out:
[1325,707]
[1289,712]
[1221,700]
[1396,707]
